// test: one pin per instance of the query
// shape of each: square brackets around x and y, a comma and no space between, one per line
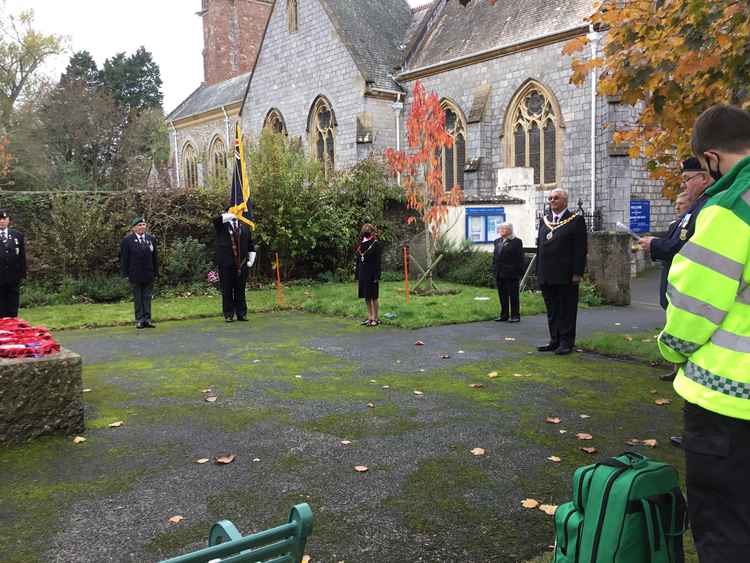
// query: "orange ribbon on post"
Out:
[279,288]
[406,271]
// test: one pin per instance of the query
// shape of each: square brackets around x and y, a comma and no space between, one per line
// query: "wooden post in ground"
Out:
[406,271]
[279,288]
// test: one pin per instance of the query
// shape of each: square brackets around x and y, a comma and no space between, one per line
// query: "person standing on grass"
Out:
[139,264]
[12,266]
[695,180]
[235,255]
[562,246]
[369,255]
[507,267]
[707,334]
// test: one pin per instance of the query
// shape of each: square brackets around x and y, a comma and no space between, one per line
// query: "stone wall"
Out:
[608,266]
[295,68]
[40,396]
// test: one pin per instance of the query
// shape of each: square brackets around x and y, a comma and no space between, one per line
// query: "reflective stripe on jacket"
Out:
[708,318]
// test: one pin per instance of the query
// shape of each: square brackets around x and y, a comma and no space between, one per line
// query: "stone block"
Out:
[40,396]
[609,266]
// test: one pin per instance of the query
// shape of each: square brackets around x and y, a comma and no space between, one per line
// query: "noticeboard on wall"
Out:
[640,215]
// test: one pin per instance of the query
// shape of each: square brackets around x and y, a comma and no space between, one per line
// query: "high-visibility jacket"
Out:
[708,318]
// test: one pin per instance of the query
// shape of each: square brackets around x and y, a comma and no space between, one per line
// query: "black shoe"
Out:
[563,351]
[551,347]
[669,376]
[676,441]
[140,325]
[366,322]
[149,324]
[228,320]
[501,319]
[515,320]
[242,319]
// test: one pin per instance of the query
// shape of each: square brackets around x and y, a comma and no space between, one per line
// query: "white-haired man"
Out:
[507,266]
[561,260]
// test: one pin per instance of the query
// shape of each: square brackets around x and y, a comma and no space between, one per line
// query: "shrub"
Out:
[186,261]
[465,264]
[94,289]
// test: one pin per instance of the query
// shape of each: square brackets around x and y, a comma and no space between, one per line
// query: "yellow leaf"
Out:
[530,503]
[548,509]
[176,519]
[79,440]
[116,424]
[478,451]
[202,460]
[224,459]
[554,459]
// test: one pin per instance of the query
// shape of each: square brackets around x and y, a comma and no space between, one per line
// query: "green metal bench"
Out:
[282,544]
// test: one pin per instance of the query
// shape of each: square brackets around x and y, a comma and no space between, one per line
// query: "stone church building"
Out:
[337,75]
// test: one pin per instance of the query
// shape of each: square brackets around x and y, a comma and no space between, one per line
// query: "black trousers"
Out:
[717,462]
[10,296]
[507,289]
[142,295]
[233,300]
[561,302]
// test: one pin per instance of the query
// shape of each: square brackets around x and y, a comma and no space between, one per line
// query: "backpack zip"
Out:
[580,485]
[565,531]
[603,511]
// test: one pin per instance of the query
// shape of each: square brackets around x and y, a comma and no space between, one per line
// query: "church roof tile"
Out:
[207,98]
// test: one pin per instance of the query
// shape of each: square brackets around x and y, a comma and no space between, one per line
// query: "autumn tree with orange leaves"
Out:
[671,59]
[421,169]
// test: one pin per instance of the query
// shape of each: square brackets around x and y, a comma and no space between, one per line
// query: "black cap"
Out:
[3,214]
[691,164]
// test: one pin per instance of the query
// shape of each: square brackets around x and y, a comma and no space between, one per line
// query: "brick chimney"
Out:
[232,32]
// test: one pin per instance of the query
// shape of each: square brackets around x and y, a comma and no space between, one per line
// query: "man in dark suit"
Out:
[695,181]
[507,266]
[561,260]
[12,266]
[139,264]
[235,254]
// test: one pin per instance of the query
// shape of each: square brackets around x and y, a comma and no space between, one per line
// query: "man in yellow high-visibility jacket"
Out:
[708,334]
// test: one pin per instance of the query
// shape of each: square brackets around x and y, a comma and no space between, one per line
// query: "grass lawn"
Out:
[334,299]
[636,345]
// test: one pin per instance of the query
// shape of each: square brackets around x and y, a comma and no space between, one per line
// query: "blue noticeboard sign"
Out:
[640,215]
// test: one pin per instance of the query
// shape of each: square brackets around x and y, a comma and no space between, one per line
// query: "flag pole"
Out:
[279,288]
[406,270]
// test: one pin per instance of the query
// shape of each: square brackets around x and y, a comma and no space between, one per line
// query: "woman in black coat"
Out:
[507,266]
[369,252]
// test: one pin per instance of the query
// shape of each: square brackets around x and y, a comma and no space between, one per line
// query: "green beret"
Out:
[137,220]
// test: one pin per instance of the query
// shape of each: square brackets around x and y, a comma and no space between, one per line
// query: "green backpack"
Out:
[626,509]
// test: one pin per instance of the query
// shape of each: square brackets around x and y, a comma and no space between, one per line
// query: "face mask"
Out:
[715,174]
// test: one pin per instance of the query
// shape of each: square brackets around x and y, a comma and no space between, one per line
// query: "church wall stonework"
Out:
[295,68]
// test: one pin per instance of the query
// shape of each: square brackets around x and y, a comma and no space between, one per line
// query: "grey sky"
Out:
[168,28]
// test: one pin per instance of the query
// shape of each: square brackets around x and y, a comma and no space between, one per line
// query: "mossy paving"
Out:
[286,402]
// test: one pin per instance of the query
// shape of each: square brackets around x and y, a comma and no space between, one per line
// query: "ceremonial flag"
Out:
[240,190]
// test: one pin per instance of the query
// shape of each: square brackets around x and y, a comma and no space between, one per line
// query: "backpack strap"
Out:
[654,530]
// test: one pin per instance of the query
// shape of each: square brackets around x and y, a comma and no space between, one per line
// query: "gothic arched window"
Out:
[453,158]
[532,133]
[275,122]
[190,166]
[291,15]
[218,159]
[322,128]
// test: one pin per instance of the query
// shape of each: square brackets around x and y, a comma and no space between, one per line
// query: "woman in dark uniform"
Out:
[368,254]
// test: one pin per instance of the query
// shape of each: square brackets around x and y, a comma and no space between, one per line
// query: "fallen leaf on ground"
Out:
[653,391]
[445,357]
[554,458]
[529,503]
[202,460]
[563,431]
[478,451]
[211,399]
[646,340]
[460,351]
[588,450]
[651,443]
[633,442]
[372,406]
[419,343]
[298,376]
[418,393]
[628,338]
[510,339]
[346,442]
[517,375]
[548,509]
[176,519]
[373,381]
[661,402]
[361,468]
[87,390]
[618,324]
[206,391]
[421,370]
[225,459]
[256,459]
[584,436]
[492,375]
[585,416]
[476,385]
[79,440]
[116,424]
[386,386]
[552,420]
